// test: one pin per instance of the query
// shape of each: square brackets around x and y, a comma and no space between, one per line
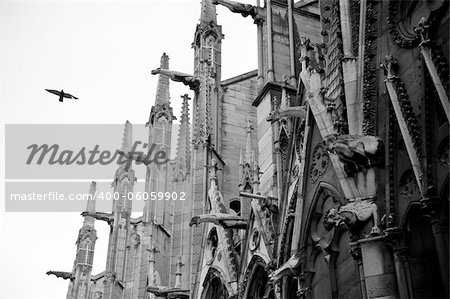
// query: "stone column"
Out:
[355,251]
[401,265]
[431,207]
[379,272]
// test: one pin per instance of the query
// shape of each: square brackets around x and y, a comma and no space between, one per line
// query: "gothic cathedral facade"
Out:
[322,174]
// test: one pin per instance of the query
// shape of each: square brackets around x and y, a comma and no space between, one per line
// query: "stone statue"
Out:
[188,80]
[356,152]
[351,213]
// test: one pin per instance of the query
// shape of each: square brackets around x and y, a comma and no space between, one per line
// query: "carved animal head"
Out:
[332,219]
[194,221]
[156,71]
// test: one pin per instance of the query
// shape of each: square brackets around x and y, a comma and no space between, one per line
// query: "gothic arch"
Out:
[327,264]
[214,285]
[253,279]
[322,189]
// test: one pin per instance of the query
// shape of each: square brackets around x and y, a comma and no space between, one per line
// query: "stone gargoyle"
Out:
[61,274]
[351,213]
[244,9]
[356,152]
[189,80]
[168,292]
[297,112]
[108,217]
[226,221]
[290,268]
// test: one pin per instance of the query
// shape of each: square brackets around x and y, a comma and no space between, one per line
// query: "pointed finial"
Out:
[208,13]
[127,137]
[162,89]
[248,146]
[91,200]
[164,61]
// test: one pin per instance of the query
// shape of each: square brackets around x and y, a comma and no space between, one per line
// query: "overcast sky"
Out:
[102,52]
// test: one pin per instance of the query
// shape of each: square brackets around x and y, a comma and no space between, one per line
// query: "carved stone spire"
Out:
[247,162]
[127,141]
[183,159]
[162,108]
[82,267]
[162,91]
[208,12]
[90,208]
[248,145]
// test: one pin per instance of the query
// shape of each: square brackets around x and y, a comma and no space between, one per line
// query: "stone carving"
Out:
[226,221]
[290,268]
[408,185]
[270,204]
[334,97]
[355,11]
[257,13]
[319,164]
[356,152]
[437,55]
[402,16]
[61,274]
[390,68]
[370,74]
[189,80]
[168,292]
[443,153]
[296,112]
[351,213]
[254,239]
[108,217]
[392,134]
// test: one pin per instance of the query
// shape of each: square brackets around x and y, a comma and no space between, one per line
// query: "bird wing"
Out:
[69,96]
[54,91]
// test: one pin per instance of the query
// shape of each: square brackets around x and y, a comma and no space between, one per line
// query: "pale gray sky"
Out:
[102,52]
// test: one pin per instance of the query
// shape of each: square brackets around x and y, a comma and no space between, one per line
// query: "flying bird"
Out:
[62,94]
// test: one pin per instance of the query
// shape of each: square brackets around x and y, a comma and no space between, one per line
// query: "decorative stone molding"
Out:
[401,16]
[401,39]
[319,164]
[370,74]
[406,118]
